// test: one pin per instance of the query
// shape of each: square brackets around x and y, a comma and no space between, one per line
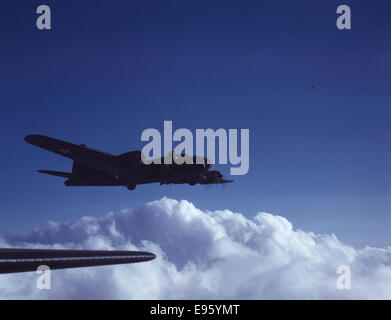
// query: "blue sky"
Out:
[110,69]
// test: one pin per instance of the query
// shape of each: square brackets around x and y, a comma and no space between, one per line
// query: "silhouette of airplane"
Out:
[96,168]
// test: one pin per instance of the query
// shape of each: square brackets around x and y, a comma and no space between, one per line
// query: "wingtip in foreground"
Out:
[24,260]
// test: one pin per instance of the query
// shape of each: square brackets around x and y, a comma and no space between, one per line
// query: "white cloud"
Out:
[202,254]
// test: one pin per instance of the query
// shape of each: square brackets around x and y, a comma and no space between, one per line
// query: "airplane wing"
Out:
[93,158]
[23,260]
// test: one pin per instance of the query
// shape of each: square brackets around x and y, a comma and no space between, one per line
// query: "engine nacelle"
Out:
[211,177]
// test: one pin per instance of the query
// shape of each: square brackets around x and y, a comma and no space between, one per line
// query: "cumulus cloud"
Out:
[202,255]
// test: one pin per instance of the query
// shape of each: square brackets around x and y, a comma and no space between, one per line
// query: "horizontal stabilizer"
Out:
[56,173]
[22,260]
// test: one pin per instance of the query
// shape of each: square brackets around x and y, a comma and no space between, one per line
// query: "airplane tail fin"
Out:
[56,173]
